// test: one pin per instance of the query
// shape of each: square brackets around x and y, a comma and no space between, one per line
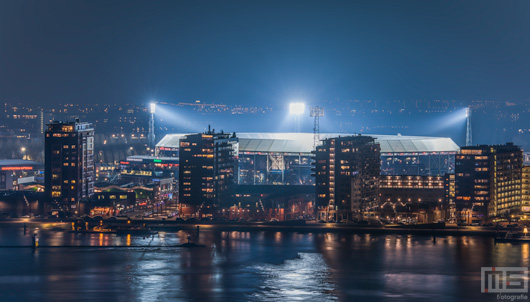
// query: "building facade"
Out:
[488,182]
[450,195]
[347,177]
[69,165]
[208,166]
[525,191]
[421,198]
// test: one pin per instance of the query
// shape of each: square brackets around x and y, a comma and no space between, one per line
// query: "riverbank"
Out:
[310,227]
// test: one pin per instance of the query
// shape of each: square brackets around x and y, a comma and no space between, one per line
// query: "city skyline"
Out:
[264,150]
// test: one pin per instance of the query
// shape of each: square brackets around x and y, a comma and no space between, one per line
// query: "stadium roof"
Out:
[303,142]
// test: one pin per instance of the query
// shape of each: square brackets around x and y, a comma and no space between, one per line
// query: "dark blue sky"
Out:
[263,52]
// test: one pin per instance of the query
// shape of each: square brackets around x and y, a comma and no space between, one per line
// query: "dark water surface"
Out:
[248,266]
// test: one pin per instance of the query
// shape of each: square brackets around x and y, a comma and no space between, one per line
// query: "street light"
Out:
[23,150]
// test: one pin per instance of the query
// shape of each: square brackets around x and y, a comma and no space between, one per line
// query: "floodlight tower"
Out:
[151,135]
[296,110]
[316,112]
[469,137]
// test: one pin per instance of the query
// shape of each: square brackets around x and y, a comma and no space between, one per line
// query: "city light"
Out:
[152,107]
[296,108]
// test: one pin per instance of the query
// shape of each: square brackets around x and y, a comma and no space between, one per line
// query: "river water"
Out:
[247,266]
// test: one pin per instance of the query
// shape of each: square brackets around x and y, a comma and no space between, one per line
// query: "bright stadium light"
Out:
[152,107]
[296,108]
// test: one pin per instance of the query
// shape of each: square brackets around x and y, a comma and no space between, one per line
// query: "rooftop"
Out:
[19,163]
[303,142]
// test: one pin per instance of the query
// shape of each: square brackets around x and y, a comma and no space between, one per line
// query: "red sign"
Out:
[16,168]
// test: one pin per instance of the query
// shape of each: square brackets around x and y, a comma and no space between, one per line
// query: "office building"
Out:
[208,166]
[347,176]
[69,165]
[488,182]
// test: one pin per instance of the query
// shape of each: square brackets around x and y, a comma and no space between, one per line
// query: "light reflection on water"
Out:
[249,266]
[305,278]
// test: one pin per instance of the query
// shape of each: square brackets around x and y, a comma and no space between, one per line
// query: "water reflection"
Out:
[242,266]
[305,278]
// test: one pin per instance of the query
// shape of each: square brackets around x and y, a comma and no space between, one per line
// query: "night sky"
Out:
[262,52]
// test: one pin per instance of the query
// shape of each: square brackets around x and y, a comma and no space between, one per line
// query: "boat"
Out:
[95,230]
[512,237]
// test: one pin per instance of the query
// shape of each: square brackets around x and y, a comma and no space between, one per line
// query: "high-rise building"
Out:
[525,191]
[449,185]
[208,164]
[69,165]
[347,177]
[488,182]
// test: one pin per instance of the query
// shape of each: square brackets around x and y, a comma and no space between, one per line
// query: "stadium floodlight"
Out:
[296,108]
[151,134]
[152,107]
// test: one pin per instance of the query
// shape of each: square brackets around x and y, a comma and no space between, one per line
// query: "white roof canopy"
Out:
[303,142]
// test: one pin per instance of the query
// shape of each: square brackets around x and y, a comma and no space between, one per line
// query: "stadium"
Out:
[285,158]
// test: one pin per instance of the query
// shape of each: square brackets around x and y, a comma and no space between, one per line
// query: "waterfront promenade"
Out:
[298,227]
